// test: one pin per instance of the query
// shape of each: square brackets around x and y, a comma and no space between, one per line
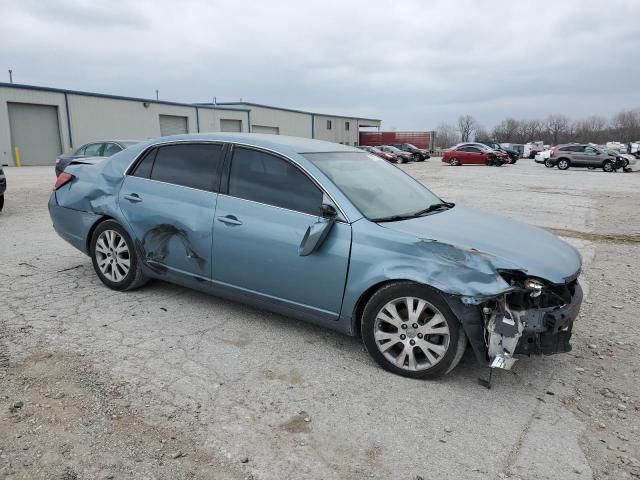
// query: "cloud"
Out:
[411,63]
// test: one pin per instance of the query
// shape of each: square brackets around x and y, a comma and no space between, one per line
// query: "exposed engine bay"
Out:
[535,318]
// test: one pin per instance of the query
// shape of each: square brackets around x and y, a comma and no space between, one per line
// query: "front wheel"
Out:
[454,162]
[548,163]
[1,202]
[114,257]
[410,330]
[608,166]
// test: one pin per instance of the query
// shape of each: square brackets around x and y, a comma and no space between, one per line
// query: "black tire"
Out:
[608,166]
[454,162]
[1,202]
[548,163]
[563,164]
[625,163]
[455,346]
[134,278]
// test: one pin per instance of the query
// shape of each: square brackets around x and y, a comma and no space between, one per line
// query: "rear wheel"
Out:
[454,162]
[563,164]
[548,163]
[410,330]
[1,202]
[114,257]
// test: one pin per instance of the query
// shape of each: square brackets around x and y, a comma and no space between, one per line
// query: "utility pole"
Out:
[157,95]
[10,76]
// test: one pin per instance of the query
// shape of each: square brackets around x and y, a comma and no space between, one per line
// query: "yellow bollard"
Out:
[18,160]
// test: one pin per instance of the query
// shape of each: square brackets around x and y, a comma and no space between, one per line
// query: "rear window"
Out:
[191,165]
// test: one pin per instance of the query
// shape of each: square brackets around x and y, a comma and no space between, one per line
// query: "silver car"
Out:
[583,155]
[100,148]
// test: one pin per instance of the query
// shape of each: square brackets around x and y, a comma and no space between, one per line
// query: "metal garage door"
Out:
[230,125]
[173,125]
[36,132]
[263,129]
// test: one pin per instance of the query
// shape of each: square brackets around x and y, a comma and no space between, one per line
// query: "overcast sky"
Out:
[410,63]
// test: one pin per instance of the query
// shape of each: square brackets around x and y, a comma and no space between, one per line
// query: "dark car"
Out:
[3,187]
[513,155]
[419,154]
[401,157]
[585,156]
[101,148]
[379,153]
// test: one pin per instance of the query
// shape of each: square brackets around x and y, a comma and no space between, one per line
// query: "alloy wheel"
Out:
[411,333]
[112,255]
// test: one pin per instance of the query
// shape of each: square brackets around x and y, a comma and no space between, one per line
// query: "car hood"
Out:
[510,244]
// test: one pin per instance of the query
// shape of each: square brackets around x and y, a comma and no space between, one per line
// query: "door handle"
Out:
[230,220]
[134,198]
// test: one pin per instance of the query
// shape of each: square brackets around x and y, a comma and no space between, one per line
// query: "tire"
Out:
[548,163]
[107,239]
[1,202]
[454,162]
[608,166]
[563,164]
[430,355]
[625,164]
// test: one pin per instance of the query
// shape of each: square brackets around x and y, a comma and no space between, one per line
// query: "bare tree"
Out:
[530,130]
[481,134]
[446,135]
[557,127]
[466,127]
[507,130]
[626,126]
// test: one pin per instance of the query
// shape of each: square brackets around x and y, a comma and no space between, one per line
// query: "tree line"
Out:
[558,128]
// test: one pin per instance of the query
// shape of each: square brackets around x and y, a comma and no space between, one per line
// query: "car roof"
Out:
[269,141]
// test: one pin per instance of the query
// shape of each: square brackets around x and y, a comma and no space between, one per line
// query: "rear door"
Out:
[169,200]
[260,224]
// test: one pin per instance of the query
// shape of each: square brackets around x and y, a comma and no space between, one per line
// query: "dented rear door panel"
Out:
[172,225]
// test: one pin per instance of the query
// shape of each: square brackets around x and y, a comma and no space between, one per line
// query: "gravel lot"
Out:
[165,382]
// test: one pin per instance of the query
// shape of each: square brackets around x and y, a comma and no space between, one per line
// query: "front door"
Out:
[169,202]
[259,226]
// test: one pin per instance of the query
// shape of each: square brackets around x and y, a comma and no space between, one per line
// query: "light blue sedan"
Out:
[329,234]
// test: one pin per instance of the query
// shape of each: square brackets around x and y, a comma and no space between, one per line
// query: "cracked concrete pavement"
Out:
[275,398]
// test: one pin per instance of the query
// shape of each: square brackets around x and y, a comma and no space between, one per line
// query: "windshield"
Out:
[393,149]
[374,186]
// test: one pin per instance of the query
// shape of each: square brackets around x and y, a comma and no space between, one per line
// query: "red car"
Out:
[474,155]
[379,153]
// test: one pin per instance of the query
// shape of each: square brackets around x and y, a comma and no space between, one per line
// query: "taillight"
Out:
[553,151]
[62,180]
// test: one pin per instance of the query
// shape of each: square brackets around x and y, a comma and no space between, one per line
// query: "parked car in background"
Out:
[624,159]
[466,154]
[401,157]
[583,156]
[379,153]
[102,148]
[3,187]
[418,278]
[543,157]
[531,148]
[419,154]
[513,155]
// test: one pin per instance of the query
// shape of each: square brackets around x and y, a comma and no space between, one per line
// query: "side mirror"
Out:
[328,211]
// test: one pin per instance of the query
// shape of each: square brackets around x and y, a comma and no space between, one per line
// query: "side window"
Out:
[93,150]
[464,149]
[111,149]
[589,150]
[189,165]
[145,164]
[347,125]
[264,178]
[329,125]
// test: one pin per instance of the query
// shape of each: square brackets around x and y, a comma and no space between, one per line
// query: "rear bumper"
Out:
[73,226]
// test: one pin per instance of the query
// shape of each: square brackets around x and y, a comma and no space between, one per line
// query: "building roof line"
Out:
[251,104]
[116,97]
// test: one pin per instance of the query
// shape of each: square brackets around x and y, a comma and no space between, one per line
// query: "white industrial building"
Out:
[39,123]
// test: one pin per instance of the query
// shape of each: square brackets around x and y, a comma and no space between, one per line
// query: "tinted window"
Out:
[111,149]
[144,166]
[191,165]
[93,150]
[263,178]
[589,150]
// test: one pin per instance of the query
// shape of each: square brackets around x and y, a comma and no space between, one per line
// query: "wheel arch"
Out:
[102,219]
